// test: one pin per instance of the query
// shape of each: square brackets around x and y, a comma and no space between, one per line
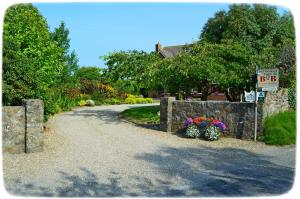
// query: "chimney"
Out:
[157,47]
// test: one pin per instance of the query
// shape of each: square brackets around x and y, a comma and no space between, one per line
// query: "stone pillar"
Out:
[166,113]
[13,129]
[34,119]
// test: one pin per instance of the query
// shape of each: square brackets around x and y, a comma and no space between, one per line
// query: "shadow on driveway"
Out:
[200,172]
[223,171]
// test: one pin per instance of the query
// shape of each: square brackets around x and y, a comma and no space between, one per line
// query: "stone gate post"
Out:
[166,113]
[34,118]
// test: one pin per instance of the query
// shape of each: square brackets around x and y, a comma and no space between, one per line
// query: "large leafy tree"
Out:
[131,67]
[32,62]
[202,64]
[261,30]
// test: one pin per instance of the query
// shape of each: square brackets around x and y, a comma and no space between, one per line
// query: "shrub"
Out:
[113,101]
[82,103]
[192,131]
[212,133]
[116,101]
[84,96]
[139,100]
[149,100]
[280,129]
[98,89]
[72,93]
[131,96]
[130,100]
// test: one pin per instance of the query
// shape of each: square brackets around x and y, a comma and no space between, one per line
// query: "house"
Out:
[171,51]
[168,51]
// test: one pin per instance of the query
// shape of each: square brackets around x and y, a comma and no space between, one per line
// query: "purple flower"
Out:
[219,124]
[187,122]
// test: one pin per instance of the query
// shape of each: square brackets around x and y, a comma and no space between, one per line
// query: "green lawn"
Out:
[280,129]
[142,115]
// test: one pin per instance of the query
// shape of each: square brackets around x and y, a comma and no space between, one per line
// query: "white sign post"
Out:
[256,85]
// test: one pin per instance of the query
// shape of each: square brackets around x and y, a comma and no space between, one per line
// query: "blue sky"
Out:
[99,28]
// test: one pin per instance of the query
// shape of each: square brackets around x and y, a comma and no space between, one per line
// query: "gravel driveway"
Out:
[91,152]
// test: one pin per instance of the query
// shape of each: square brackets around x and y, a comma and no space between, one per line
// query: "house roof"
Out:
[170,51]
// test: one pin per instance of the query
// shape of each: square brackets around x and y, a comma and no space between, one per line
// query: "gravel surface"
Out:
[91,152]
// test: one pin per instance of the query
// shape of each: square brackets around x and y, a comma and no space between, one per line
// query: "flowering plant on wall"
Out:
[206,127]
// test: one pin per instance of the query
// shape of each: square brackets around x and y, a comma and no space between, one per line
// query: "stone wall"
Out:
[238,117]
[22,127]
[275,102]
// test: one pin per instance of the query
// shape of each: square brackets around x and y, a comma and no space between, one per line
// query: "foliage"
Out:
[212,133]
[132,67]
[112,101]
[131,99]
[126,86]
[287,66]
[280,129]
[192,131]
[228,64]
[82,103]
[36,62]
[292,96]
[261,31]
[142,115]
[31,60]
[91,73]
[60,36]
[230,45]
[97,89]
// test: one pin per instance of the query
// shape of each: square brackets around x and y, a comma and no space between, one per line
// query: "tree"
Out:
[89,73]
[202,64]
[32,62]
[265,35]
[131,68]
[61,37]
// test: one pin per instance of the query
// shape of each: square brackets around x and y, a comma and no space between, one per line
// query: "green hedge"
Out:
[280,129]
[131,99]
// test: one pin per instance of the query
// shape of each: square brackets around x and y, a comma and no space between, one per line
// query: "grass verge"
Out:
[142,115]
[280,129]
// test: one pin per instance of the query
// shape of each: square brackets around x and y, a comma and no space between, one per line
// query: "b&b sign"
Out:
[268,79]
